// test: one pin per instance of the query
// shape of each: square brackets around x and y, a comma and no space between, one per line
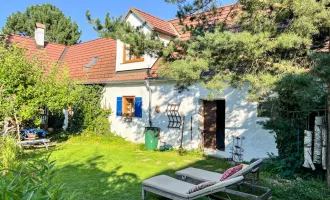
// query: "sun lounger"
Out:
[196,176]
[178,190]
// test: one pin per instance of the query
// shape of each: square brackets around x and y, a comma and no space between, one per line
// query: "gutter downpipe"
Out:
[150,93]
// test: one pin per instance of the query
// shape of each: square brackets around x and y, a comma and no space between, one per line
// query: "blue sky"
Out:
[76,10]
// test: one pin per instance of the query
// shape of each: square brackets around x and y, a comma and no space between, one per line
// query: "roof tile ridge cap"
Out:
[229,5]
[93,40]
[174,29]
[137,12]
[149,14]
[30,38]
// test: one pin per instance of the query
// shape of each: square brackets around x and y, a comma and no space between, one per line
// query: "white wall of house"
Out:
[149,61]
[241,117]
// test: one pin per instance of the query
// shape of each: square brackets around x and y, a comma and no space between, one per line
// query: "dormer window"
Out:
[129,57]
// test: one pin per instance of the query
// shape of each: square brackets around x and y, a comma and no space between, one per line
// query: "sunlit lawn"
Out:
[99,168]
[104,169]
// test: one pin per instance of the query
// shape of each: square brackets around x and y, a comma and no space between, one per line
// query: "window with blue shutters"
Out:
[129,106]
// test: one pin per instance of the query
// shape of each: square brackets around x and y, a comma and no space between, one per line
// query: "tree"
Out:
[26,87]
[275,41]
[59,28]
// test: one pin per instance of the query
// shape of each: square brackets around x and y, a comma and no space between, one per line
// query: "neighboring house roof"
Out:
[225,14]
[155,23]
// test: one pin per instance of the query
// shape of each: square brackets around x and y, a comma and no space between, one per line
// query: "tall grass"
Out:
[10,152]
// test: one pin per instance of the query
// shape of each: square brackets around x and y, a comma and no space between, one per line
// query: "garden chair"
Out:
[178,190]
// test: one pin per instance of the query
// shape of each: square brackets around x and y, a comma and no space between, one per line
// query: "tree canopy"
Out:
[59,28]
[26,86]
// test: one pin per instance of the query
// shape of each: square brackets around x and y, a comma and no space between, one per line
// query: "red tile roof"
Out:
[51,53]
[156,23]
[225,14]
[77,57]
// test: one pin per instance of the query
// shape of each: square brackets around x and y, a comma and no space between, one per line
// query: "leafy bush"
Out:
[10,151]
[33,180]
[25,88]
[297,98]
[88,113]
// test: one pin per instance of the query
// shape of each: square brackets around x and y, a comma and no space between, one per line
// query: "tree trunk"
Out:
[17,127]
[308,150]
[328,142]
[317,158]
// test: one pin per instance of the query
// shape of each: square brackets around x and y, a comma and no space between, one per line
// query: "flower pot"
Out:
[50,130]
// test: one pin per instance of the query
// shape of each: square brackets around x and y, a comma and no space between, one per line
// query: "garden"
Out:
[108,167]
[88,161]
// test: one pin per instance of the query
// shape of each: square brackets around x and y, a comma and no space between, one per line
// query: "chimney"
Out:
[39,35]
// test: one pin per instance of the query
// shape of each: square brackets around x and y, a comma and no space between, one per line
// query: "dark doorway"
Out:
[214,124]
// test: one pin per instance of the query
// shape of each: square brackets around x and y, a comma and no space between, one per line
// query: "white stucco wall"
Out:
[241,117]
[149,61]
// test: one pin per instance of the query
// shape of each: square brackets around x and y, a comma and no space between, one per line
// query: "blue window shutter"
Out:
[119,106]
[138,107]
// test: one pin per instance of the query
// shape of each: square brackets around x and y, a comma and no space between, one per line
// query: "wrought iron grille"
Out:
[174,118]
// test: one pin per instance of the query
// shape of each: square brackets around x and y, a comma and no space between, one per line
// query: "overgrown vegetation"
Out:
[26,86]
[292,113]
[10,152]
[34,180]
[301,189]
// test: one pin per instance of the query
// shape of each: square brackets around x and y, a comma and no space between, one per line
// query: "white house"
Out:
[225,126]
[213,124]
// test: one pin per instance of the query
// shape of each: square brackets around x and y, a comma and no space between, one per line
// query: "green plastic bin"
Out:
[151,137]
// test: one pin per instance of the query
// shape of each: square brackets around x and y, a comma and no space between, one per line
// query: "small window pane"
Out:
[91,63]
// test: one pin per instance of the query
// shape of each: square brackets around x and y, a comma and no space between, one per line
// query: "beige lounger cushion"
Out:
[199,174]
[180,188]
[218,187]
[204,175]
[169,185]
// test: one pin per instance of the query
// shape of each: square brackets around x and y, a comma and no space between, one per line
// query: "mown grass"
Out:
[111,168]
[98,168]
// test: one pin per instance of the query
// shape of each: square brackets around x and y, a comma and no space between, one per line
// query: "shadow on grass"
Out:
[90,182]
[111,171]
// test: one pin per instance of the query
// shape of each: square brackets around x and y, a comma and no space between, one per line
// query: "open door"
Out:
[210,124]
[214,124]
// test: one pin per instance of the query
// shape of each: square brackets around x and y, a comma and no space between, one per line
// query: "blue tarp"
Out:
[40,132]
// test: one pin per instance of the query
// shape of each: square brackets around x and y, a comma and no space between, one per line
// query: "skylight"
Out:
[91,63]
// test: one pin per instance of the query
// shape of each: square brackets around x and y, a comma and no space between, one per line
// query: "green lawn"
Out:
[99,168]
[103,169]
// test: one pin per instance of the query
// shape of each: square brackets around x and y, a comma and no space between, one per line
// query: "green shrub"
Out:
[88,112]
[33,180]
[10,151]
[296,100]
